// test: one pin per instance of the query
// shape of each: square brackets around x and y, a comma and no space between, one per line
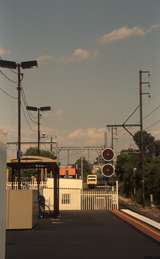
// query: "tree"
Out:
[157,147]
[87,167]
[99,160]
[148,142]
[126,163]
[33,151]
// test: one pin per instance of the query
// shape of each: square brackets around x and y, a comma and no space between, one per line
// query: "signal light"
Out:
[108,154]
[108,170]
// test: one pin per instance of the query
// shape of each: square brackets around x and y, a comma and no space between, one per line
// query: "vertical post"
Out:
[82,170]
[38,170]
[68,156]
[2,196]
[51,145]
[56,193]
[117,195]
[88,154]
[141,136]
[112,144]
[39,131]
[19,125]
[105,139]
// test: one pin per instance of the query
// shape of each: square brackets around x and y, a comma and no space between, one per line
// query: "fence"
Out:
[99,200]
[26,185]
[75,198]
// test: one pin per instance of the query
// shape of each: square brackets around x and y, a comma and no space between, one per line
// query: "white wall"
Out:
[2,195]
[69,194]
[65,183]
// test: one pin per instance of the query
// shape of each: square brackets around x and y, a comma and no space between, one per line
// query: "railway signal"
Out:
[108,169]
[108,154]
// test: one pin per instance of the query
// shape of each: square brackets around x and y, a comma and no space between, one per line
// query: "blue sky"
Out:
[89,55]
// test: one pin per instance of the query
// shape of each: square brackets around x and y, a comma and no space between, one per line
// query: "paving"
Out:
[81,235]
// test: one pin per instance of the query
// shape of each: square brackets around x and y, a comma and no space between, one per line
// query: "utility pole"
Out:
[51,146]
[142,82]
[112,138]
[13,65]
[19,124]
[82,176]
[141,93]
[105,139]
[68,157]
[113,133]
[39,133]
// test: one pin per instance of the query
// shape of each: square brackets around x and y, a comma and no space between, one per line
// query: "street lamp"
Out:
[13,65]
[38,109]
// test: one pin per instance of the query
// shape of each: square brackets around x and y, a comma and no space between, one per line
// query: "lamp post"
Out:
[38,110]
[19,66]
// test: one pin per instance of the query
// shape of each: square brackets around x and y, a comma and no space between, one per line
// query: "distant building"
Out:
[68,171]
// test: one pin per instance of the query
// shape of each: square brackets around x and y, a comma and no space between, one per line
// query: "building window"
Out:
[66,198]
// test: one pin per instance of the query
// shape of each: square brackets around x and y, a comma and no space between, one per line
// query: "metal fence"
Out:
[99,200]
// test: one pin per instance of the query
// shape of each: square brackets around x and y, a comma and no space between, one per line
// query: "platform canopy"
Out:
[34,162]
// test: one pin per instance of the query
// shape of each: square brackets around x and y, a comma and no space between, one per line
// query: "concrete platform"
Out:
[148,221]
[81,235]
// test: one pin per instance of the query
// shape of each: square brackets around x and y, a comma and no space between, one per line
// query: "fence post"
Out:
[117,195]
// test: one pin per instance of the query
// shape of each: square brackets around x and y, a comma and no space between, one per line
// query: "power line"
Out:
[26,104]
[152,125]
[131,114]
[149,114]
[9,79]
[5,92]
[27,120]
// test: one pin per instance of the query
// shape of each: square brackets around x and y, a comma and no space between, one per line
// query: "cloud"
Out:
[154,27]
[125,32]
[45,59]
[4,51]
[77,56]
[88,136]
[121,34]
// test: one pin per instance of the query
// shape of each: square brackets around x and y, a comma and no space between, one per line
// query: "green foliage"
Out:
[148,142]
[87,167]
[33,151]
[126,169]
[130,175]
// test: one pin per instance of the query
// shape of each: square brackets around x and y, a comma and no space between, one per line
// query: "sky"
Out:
[89,55]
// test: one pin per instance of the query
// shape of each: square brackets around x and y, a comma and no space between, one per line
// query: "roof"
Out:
[67,170]
[33,162]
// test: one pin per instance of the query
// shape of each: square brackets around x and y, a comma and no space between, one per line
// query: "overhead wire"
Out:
[27,119]
[131,114]
[26,104]
[152,125]
[8,78]
[149,114]
[5,92]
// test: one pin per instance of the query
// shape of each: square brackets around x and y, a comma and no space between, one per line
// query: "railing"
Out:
[26,185]
[99,200]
